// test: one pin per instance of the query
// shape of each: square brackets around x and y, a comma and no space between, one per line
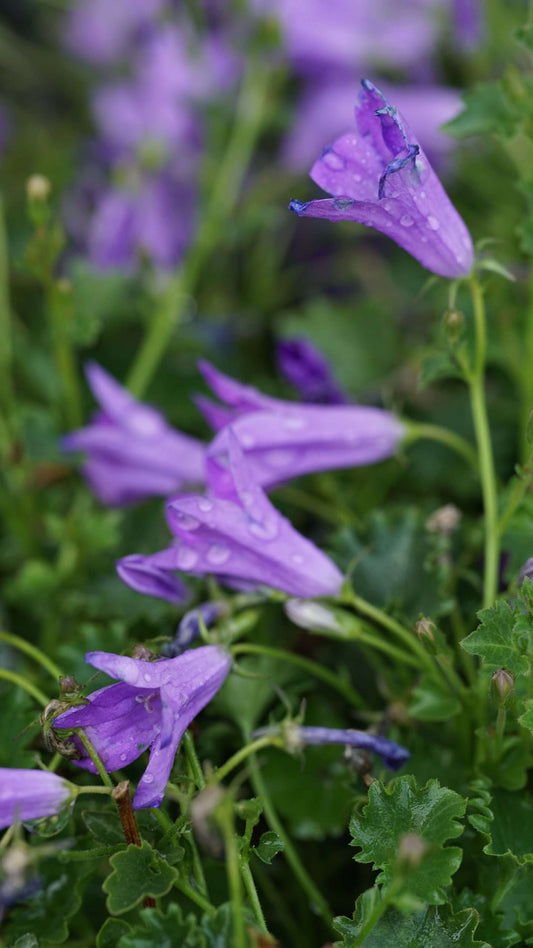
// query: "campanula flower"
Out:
[99,32]
[31,795]
[283,439]
[379,176]
[304,366]
[393,755]
[237,535]
[188,629]
[132,453]
[149,580]
[151,706]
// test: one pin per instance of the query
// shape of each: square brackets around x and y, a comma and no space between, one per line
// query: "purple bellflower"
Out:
[151,706]
[132,453]
[31,795]
[282,440]
[309,372]
[236,534]
[189,626]
[392,754]
[99,32]
[380,177]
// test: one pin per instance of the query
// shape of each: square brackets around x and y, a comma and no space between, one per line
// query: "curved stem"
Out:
[308,665]
[269,740]
[224,817]
[452,440]
[192,760]
[33,652]
[314,895]
[194,896]
[95,757]
[251,891]
[26,685]
[484,444]
[387,622]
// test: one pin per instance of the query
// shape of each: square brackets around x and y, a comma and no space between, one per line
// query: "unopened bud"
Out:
[411,850]
[38,188]
[453,324]
[501,686]
[312,616]
[425,629]
[445,520]
[68,685]
[142,653]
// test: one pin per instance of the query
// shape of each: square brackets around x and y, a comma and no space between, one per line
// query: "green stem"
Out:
[194,896]
[527,370]
[26,685]
[224,817]
[518,492]
[33,652]
[313,894]
[308,665]
[452,440]
[106,790]
[192,760]
[486,460]
[6,343]
[231,172]
[251,891]
[64,355]
[95,757]
[268,740]
[378,911]
[405,635]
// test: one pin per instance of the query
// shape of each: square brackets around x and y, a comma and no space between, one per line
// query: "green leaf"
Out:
[487,109]
[104,826]
[138,872]
[494,266]
[217,927]
[511,830]
[431,813]
[49,910]
[495,640]
[111,932]
[432,701]
[526,719]
[436,366]
[433,927]
[269,846]
[159,930]
[26,941]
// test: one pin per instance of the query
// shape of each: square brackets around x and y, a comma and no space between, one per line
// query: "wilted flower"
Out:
[304,366]
[393,755]
[236,534]
[380,177]
[282,439]
[31,795]
[151,706]
[132,452]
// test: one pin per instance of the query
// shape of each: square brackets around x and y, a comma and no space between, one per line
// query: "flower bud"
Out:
[411,851]
[38,188]
[425,629]
[312,616]
[445,520]
[453,324]
[501,687]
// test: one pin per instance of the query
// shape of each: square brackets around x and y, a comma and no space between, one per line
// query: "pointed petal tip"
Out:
[297,206]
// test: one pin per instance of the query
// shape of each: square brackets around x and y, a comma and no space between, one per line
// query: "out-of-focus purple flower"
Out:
[380,177]
[131,116]
[100,32]
[304,366]
[189,627]
[467,18]
[282,440]
[392,754]
[132,453]
[527,571]
[236,534]
[156,221]
[5,127]
[151,706]
[322,111]
[31,795]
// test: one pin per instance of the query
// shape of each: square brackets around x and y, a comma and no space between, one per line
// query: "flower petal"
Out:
[141,574]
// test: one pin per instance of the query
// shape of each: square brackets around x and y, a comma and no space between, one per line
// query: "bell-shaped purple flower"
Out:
[132,453]
[379,176]
[31,795]
[151,706]
[100,32]
[236,534]
[282,440]
[393,755]
[304,366]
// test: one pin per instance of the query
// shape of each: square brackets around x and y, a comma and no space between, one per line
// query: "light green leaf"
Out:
[495,640]
[138,871]
[269,846]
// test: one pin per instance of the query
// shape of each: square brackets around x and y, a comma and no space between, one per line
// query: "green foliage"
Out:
[433,701]
[499,640]
[268,846]
[159,930]
[138,872]
[432,927]
[401,808]
[49,911]
[488,109]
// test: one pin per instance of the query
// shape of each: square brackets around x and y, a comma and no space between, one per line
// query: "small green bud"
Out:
[38,190]
[411,851]
[425,629]
[453,323]
[501,687]
[445,520]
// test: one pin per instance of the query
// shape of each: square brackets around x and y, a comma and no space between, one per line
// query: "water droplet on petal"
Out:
[123,757]
[148,778]
[278,458]
[186,558]
[432,222]
[294,423]
[247,498]
[297,559]
[247,440]
[333,160]
[264,531]
[205,504]
[406,220]
[218,554]
[356,177]
[186,522]
[147,677]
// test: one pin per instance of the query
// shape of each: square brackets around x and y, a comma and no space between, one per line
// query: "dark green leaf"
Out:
[430,812]
[111,932]
[159,930]
[432,701]
[269,846]
[26,941]
[438,365]
[138,872]
[49,910]
[495,640]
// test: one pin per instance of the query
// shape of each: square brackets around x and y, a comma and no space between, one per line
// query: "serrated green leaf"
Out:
[487,109]
[512,826]
[432,701]
[138,872]
[526,719]
[217,927]
[430,812]
[164,930]
[111,932]
[433,927]
[269,846]
[495,640]
[104,826]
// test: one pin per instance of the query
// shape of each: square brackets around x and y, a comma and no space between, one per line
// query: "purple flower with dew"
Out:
[282,440]
[31,795]
[151,706]
[322,111]
[189,626]
[149,580]
[308,371]
[392,754]
[132,453]
[380,177]
[237,535]
[100,32]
